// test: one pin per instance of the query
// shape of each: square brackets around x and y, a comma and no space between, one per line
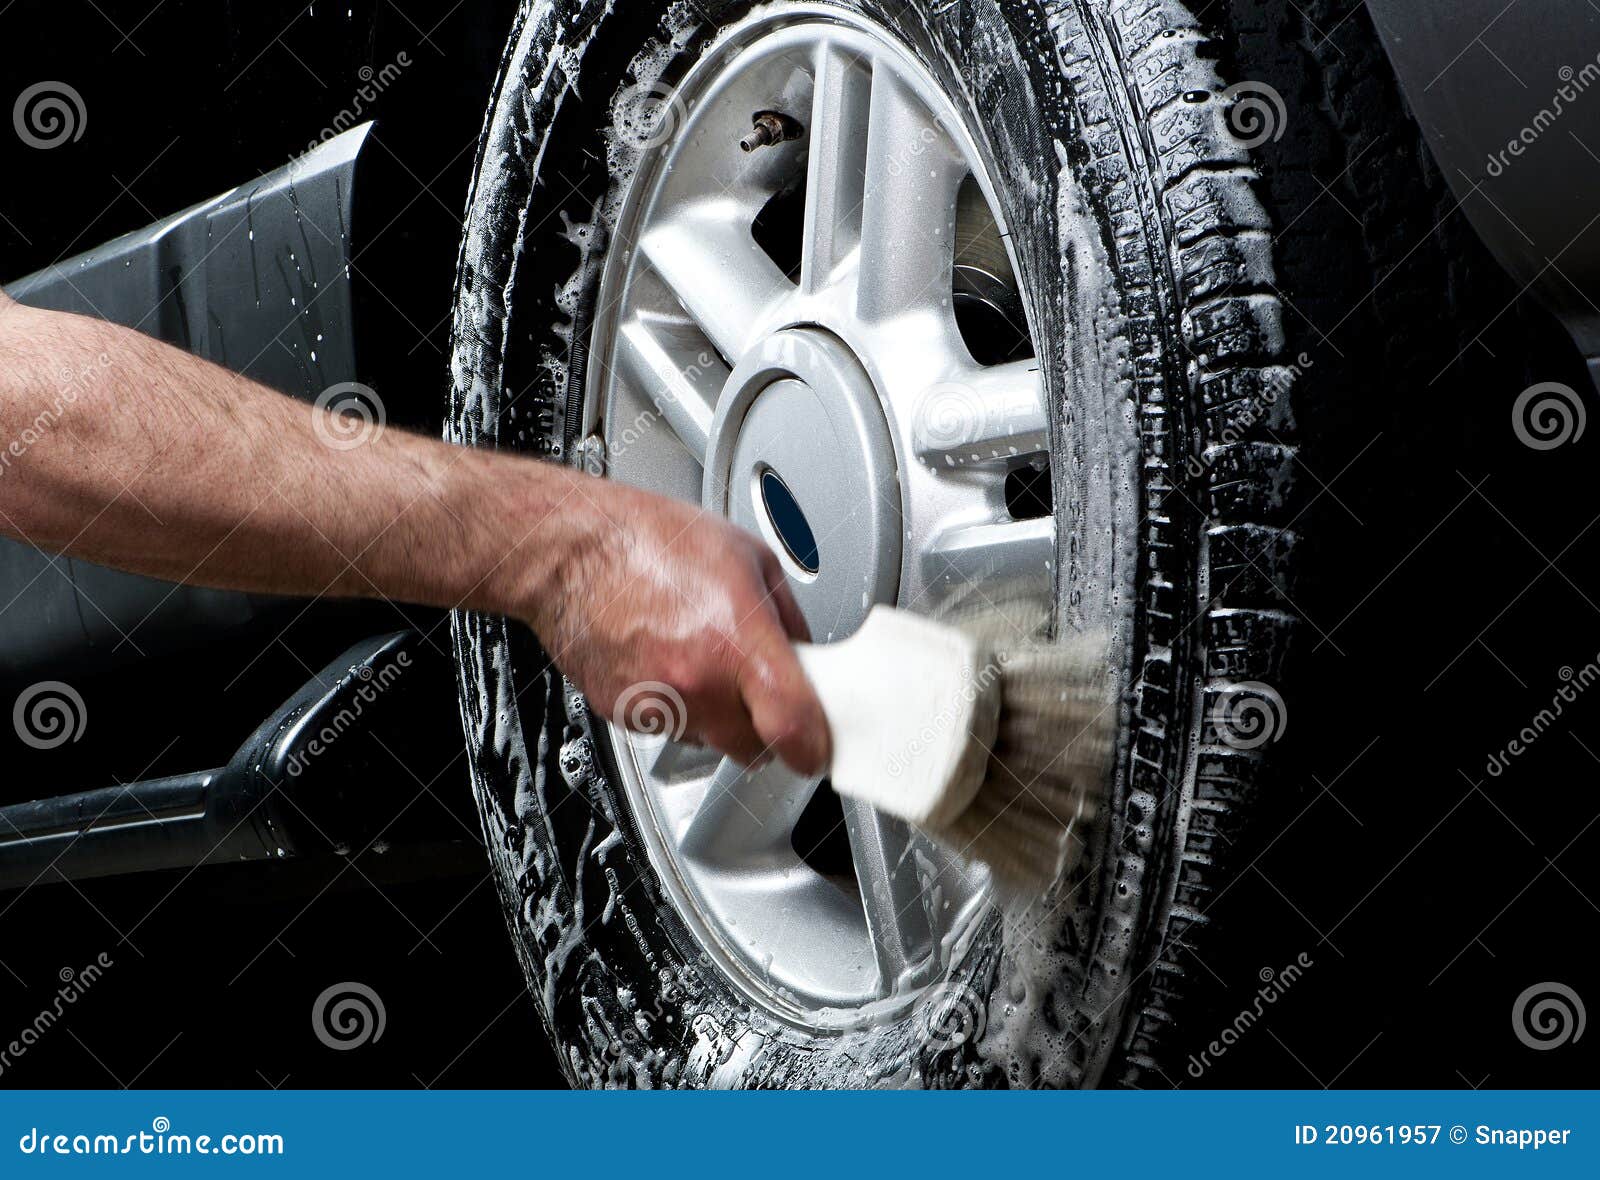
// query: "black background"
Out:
[215,974]
[1447,576]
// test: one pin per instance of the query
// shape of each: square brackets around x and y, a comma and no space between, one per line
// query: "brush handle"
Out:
[900,696]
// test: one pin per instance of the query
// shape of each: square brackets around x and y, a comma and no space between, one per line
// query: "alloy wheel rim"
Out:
[828,398]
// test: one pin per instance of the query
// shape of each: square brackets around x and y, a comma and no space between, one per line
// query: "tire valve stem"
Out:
[769,127]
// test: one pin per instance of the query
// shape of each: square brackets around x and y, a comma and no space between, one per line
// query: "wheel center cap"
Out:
[800,454]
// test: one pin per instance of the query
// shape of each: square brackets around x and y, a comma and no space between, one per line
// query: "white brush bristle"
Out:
[1044,780]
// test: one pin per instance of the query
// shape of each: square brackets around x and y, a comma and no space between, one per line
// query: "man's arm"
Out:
[151,460]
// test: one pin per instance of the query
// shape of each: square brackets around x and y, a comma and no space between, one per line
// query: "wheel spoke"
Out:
[983,414]
[908,210]
[677,762]
[888,873]
[835,177]
[667,359]
[744,814]
[708,259]
[1007,551]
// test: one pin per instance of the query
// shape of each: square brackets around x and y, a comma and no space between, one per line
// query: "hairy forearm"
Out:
[125,451]
[128,452]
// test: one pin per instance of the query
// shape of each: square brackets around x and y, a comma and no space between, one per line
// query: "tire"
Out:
[1170,443]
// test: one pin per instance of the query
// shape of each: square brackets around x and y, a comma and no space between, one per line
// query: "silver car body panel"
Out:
[1508,97]
[256,279]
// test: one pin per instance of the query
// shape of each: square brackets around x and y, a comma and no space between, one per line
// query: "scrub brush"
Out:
[995,746]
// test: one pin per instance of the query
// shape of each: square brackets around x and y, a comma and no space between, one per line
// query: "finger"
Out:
[731,732]
[784,707]
[778,592]
[717,711]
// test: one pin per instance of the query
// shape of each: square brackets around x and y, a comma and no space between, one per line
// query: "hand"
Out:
[667,617]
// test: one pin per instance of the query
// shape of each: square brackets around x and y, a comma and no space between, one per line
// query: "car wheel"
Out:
[943,300]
